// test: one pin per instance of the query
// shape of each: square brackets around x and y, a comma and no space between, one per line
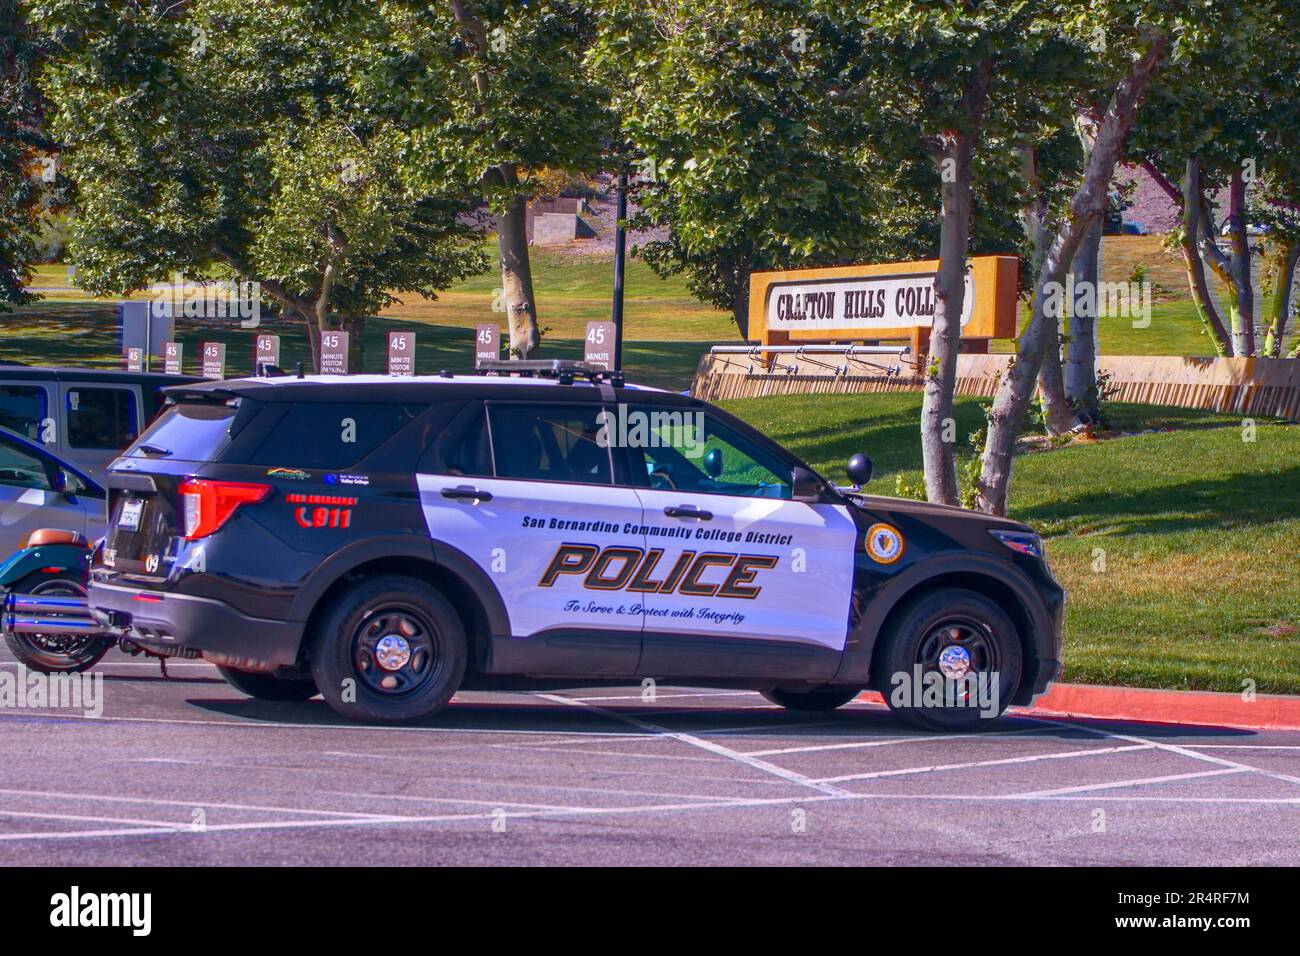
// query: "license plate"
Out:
[129,519]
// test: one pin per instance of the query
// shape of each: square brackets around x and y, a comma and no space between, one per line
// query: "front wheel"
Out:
[949,660]
[56,653]
[264,686]
[389,648]
[817,701]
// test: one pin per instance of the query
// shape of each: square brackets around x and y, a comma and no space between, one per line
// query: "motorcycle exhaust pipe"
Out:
[46,604]
[48,614]
[51,626]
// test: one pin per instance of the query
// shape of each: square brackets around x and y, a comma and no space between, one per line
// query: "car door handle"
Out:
[684,511]
[466,493]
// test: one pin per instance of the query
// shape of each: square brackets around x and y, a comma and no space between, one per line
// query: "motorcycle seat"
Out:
[55,536]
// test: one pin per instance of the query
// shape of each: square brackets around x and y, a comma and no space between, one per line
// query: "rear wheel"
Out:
[950,660]
[265,686]
[56,653]
[389,648]
[820,700]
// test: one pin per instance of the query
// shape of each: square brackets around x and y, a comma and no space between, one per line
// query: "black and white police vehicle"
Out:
[387,541]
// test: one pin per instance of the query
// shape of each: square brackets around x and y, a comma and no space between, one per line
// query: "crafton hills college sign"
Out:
[876,303]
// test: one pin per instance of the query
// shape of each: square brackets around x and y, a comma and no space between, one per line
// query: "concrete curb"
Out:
[1205,708]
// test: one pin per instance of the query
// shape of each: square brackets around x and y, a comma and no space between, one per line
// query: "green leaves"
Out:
[230,133]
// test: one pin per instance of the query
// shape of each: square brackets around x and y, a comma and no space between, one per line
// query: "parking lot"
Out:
[187,771]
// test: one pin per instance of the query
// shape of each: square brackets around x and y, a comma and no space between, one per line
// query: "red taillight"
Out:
[209,504]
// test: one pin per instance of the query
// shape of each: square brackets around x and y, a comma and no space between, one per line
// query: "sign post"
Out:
[172,352]
[214,359]
[599,347]
[334,353]
[266,352]
[401,353]
[487,344]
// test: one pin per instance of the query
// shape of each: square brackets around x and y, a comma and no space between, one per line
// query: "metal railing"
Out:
[803,354]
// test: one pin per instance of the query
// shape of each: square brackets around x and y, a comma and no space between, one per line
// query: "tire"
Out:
[817,701]
[358,644]
[266,686]
[52,654]
[930,625]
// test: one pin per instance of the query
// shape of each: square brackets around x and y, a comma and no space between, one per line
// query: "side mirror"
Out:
[859,469]
[804,485]
[59,480]
[713,462]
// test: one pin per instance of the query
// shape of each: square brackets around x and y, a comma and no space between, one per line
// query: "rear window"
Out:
[191,432]
[331,435]
[23,409]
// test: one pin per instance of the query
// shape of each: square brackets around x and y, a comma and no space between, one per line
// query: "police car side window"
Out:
[549,443]
[331,435]
[691,451]
[463,447]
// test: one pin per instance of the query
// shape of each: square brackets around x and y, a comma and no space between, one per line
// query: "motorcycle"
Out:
[45,586]
[44,616]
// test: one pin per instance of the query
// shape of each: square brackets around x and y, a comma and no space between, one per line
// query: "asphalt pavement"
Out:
[187,771]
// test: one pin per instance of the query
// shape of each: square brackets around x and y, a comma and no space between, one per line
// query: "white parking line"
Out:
[1116,784]
[887,741]
[82,818]
[238,723]
[714,748]
[188,804]
[1029,758]
[1187,751]
[647,809]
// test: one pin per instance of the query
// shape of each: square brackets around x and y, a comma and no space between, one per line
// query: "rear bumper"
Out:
[166,622]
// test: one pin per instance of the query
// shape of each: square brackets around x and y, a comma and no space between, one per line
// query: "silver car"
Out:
[38,489]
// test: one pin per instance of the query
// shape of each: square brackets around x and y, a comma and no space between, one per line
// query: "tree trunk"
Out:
[1058,417]
[1225,267]
[1189,241]
[355,326]
[938,422]
[517,273]
[740,311]
[1279,303]
[1089,203]
[1081,349]
[1243,293]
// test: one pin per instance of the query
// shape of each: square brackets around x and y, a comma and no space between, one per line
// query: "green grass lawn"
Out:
[666,329]
[1178,548]
[67,333]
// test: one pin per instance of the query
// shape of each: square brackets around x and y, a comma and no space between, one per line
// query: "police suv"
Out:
[387,541]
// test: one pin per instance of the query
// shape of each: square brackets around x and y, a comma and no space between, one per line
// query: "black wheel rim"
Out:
[396,651]
[966,637]
[61,650]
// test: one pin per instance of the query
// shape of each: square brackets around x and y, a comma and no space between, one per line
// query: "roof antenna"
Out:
[298,368]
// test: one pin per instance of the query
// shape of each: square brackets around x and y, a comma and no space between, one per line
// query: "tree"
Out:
[489,93]
[1088,203]
[746,159]
[27,156]
[931,72]
[225,135]
[1221,106]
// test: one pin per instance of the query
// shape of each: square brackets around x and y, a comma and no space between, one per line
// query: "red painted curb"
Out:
[1265,712]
